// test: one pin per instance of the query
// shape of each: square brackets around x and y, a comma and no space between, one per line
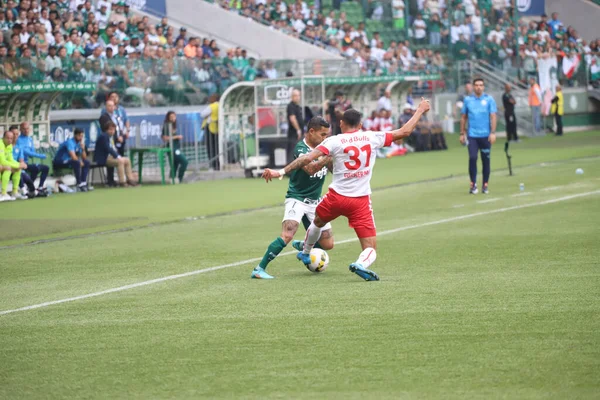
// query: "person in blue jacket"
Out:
[71,154]
[25,143]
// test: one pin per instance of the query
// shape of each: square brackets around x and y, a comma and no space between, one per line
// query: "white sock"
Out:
[83,184]
[367,257]
[313,233]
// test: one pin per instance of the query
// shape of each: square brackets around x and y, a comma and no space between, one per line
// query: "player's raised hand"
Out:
[424,105]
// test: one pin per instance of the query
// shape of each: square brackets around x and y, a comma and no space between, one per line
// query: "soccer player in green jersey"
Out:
[304,192]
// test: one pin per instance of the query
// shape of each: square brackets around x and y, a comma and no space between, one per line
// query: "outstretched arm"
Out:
[410,126]
[298,163]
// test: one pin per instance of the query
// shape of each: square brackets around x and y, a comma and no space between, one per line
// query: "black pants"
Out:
[26,180]
[483,146]
[559,124]
[80,172]
[212,147]
[289,148]
[511,127]
[34,169]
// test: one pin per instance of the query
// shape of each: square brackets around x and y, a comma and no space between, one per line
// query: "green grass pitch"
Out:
[492,296]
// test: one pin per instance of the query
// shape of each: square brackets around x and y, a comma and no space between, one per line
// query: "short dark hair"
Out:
[351,117]
[108,125]
[13,127]
[317,122]
[77,131]
[477,80]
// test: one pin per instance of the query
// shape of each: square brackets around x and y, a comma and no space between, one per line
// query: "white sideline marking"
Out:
[520,194]
[551,188]
[252,260]
[488,200]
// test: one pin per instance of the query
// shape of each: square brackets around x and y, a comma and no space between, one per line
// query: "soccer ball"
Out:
[319,260]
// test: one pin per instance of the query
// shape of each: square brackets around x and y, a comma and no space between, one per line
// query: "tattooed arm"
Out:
[318,165]
[298,163]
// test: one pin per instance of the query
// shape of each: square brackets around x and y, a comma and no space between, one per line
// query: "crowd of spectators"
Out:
[481,29]
[105,43]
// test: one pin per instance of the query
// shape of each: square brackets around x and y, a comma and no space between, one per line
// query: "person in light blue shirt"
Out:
[25,143]
[71,154]
[479,115]
[555,24]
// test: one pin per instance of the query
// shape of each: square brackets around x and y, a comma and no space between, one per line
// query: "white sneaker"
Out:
[19,196]
[6,197]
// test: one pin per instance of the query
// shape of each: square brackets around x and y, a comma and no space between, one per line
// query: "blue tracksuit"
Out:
[478,111]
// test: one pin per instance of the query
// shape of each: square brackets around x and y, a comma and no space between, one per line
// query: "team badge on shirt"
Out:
[483,102]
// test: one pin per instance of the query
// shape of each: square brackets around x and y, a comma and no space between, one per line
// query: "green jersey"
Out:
[303,186]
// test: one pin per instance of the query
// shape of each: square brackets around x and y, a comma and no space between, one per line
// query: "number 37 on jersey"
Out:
[354,157]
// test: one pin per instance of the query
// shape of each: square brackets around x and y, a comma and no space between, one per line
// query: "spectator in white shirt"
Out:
[405,59]
[298,23]
[376,39]
[543,36]
[378,52]
[398,13]
[44,20]
[52,60]
[469,6]
[455,31]
[420,29]
[270,70]
[330,18]
[114,44]
[385,102]
[477,23]
[434,7]
[102,16]
[496,35]
[362,34]
[108,5]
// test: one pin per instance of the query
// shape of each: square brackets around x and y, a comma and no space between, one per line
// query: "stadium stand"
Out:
[152,65]
[387,37]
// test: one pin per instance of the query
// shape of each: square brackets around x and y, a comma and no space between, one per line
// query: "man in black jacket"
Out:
[106,154]
[109,114]
[508,101]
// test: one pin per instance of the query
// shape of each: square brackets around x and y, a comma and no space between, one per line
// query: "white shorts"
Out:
[295,210]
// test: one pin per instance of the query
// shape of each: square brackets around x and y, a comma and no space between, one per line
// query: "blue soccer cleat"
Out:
[364,273]
[305,258]
[259,273]
[298,244]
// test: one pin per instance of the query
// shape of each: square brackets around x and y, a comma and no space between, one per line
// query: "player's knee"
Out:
[326,244]
[318,221]
[287,237]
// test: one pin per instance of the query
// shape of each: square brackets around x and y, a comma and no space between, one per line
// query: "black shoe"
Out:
[112,185]
[82,188]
